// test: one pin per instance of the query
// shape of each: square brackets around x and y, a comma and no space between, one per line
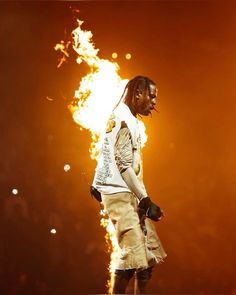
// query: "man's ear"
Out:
[138,94]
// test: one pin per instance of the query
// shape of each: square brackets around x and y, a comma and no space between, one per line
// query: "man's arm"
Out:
[124,159]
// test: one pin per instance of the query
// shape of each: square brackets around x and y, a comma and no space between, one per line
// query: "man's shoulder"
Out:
[122,112]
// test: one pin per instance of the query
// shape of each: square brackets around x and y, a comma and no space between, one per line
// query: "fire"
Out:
[63,47]
[99,91]
[113,247]
[98,94]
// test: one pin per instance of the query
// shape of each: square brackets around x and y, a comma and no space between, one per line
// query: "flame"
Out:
[63,47]
[113,247]
[98,94]
[99,91]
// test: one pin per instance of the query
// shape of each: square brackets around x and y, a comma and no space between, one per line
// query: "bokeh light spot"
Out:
[66,167]
[53,231]
[14,191]
[128,56]
[114,55]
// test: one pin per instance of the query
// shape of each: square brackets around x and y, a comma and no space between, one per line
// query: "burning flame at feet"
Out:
[98,94]
[113,247]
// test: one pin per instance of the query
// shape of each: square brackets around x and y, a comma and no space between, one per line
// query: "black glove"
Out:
[148,208]
[94,192]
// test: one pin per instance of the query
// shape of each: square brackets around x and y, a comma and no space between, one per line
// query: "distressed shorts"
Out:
[140,247]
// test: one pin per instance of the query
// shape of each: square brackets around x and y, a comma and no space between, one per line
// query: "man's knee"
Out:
[126,274]
[145,274]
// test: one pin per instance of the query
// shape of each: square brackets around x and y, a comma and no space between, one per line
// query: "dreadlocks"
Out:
[134,86]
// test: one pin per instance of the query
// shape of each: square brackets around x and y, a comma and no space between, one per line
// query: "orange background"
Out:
[189,49]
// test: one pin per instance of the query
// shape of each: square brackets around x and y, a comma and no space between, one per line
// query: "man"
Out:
[118,181]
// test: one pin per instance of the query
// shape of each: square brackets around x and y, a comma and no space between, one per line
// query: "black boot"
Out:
[142,286]
[142,277]
[121,280]
[120,285]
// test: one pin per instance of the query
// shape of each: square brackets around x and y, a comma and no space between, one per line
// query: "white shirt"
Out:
[121,150]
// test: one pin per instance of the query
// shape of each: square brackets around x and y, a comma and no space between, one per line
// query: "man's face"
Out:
[146,100]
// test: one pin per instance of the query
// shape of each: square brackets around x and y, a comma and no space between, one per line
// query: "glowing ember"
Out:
[98,94]
[63,47]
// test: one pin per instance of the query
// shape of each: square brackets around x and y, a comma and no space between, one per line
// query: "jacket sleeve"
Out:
[123,150]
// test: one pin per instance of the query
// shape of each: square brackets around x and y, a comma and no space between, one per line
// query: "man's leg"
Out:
[121,280]
[142,278]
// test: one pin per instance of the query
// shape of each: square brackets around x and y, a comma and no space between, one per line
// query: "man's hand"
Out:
[147,208]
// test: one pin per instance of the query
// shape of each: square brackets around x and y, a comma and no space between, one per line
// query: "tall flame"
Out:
[98,94]
[99,91]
